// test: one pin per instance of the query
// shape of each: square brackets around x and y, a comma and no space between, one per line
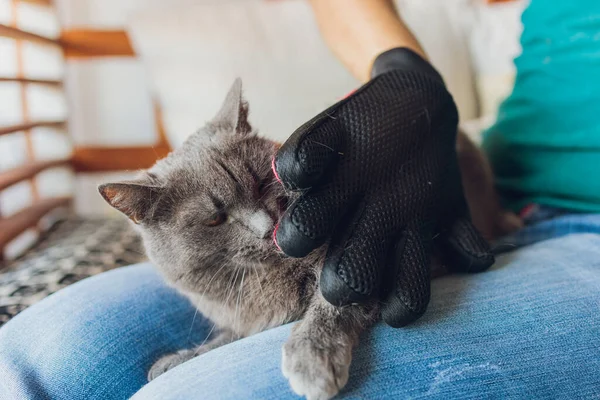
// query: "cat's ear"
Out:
[134,199]
[234,111]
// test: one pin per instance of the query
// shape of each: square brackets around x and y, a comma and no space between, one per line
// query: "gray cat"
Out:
[206,214]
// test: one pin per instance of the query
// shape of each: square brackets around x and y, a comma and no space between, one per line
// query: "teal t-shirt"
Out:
[545,144]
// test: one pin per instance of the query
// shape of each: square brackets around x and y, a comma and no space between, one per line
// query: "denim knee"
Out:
[95,339]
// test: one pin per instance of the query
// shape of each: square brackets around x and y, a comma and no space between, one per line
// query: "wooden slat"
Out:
[7,31]
[35,81]
[23,127]
[160,126]
[18,223]
[105,159]
[86,43]
[27,171]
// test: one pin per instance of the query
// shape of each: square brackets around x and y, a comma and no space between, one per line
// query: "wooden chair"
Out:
[74,44]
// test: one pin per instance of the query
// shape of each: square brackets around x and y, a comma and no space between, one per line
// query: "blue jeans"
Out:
[528,328]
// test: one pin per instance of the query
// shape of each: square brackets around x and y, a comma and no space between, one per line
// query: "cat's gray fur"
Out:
[232,272]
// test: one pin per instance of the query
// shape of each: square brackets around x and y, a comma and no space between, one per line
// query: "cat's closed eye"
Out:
[216,219]
[262,187]
[261,183]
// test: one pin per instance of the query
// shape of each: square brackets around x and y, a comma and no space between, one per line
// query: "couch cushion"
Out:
[194,52]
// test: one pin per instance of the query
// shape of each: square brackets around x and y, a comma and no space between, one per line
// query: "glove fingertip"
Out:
[310,154]
[290,240]
[335,290]
[467,250]
[397,314]
[288,171]
[466,259]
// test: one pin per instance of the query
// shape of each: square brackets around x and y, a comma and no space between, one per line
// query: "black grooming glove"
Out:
[380,182]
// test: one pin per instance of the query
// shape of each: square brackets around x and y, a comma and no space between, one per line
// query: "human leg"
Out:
[528,328]
[96,339]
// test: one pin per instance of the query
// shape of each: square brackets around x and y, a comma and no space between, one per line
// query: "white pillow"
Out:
[194,52]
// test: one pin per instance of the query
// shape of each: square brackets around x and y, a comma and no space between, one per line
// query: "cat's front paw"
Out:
[168,362]
[315,369]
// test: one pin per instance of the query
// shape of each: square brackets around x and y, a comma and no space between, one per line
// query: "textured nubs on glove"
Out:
[407,300]
[316,154]
[380,151]
[303,160]
[312,216]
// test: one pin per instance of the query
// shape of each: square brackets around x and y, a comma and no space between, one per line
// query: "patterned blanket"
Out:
[73,249]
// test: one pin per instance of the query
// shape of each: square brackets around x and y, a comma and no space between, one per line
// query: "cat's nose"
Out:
[261,224]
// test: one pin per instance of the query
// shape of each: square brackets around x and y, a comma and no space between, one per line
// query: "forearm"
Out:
[357,31]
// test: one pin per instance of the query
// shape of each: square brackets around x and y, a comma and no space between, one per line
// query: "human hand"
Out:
[380,181]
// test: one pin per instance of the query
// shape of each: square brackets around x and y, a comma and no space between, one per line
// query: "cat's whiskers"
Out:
[268,185]
[226,263]
[192,324]
[258,279]
[202,295]
[205,339]
[231,285]
[237,303]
